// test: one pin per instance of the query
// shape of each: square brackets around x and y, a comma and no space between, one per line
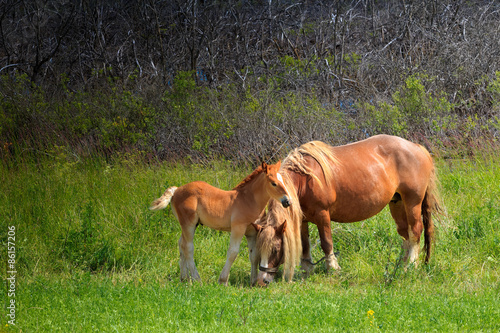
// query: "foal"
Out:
[234,211]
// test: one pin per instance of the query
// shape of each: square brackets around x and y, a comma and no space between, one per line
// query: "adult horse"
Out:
[200,203]
[347,184]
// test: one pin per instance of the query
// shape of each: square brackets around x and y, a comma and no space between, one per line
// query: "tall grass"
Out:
[91,256]
[93,215]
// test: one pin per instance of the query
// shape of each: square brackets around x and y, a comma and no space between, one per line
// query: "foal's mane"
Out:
[249,178]
[319,151]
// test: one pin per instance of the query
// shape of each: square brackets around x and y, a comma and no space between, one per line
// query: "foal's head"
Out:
[274,185]
[278,240]
[271,246]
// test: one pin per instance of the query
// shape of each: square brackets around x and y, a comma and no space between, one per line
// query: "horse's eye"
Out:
[274,184]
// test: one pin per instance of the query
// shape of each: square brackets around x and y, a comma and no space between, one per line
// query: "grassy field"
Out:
[90,256]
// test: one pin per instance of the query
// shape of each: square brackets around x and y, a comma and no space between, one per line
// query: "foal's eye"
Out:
[273,184]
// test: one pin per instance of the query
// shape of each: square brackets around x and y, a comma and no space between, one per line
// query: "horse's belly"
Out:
[358,208]
[354,215]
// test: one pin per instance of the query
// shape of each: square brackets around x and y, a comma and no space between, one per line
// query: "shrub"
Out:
[413,110]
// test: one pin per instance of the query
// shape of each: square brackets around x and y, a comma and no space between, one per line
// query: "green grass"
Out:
[86,303]
[90,256]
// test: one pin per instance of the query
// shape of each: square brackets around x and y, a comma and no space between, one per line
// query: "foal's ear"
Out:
[278,165]
[264,166]
[257,227]
[282,228]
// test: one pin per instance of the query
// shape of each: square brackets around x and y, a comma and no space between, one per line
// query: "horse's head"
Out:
[271,245]
[275,185]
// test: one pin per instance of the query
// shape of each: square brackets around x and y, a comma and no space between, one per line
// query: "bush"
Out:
[257,122]
[413,110]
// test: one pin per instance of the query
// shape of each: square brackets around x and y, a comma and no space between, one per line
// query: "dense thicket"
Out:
[246,78]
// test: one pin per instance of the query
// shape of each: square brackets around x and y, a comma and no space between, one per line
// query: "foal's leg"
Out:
[325,235]
[183,260]
[186,249]
[306,260]
[252,251]
[237,232]
[188,219]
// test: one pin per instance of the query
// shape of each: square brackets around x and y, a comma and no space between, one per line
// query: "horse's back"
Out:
[392,151]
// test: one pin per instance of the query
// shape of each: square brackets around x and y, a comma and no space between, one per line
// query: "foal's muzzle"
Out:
[267,277]
[285,202]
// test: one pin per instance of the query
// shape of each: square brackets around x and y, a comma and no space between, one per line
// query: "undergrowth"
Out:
[260,121]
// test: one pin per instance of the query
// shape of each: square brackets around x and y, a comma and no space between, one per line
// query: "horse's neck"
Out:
[255,191]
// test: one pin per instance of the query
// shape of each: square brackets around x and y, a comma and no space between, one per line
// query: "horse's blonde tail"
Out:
[163,201]
[430,205]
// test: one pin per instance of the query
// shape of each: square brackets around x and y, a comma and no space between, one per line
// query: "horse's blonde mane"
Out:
[277,214]
[291,239]
[318,150]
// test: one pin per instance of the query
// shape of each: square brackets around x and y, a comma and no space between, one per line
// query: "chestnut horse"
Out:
[347,184]
[200,203]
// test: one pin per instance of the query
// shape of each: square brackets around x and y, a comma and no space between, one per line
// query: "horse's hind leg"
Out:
[183,260]
[407,214]
[415,228]
[398,213]
[188,221]
[186,250]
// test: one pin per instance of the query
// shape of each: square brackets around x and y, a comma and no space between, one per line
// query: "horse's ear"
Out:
[282,228]
[278,165]
[257,227]
[264,166]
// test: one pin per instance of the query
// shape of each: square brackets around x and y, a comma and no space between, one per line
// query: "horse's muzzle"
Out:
[285,202]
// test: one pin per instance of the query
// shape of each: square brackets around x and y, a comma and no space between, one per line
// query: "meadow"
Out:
[90,256]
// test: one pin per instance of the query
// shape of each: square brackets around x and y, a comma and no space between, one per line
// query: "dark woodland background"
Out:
[245,80]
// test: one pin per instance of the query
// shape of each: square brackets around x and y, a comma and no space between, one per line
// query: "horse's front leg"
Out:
[237,232]
[306,260]
[325,236]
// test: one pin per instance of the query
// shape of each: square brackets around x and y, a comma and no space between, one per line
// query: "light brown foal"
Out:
[234,211]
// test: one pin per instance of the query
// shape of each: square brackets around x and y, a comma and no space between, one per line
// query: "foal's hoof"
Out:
[222,282]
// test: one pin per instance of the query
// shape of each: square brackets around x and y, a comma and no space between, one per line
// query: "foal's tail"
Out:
[163,201]
[430,205]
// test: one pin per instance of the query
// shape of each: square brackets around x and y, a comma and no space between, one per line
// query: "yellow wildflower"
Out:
[370,314]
